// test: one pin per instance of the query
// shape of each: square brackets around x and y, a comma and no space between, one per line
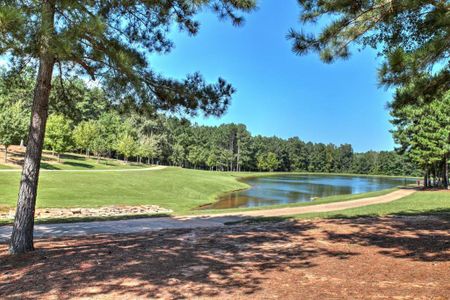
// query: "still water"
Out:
[284,189]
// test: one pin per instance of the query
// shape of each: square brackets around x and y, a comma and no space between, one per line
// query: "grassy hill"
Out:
[172,188]
[69,161]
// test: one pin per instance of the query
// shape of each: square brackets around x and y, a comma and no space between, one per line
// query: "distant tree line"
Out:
[229,147]
[97,126]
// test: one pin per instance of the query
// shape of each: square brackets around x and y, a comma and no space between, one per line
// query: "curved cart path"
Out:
[212,220]
[288,211]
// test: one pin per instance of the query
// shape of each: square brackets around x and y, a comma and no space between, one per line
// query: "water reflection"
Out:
[284,189]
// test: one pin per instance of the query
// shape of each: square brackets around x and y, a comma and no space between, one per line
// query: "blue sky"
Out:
[279,93]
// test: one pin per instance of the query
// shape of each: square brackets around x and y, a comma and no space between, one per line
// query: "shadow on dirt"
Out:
[214,259]
[186,263]
[420,238]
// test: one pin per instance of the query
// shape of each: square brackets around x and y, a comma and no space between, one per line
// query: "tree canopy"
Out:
[413,37]
[111,41]
[423,133]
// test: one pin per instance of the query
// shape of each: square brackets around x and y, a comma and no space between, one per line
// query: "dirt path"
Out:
[190,222]
[287,211]
[370,258]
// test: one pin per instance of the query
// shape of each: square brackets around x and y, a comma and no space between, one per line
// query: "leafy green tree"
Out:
[268,162]
[149,147]
[17,85]
[212,161]
[99,145]
[272,161]
[127,146]
[197,156]
[330,158]
[345,158]
[111,41]
[75,99]
[84,135]
[13,124]
[111,128]
[243,147]
[59,134]
[178,156]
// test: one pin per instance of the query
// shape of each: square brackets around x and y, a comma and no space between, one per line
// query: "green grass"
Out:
[330,199]
[172,188]
[80,162]
[181,190]
[420,203]
[5,167]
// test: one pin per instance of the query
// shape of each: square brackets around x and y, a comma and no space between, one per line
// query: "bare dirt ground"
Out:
[382,258]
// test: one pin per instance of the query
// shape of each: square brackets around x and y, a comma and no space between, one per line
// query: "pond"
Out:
[284,189]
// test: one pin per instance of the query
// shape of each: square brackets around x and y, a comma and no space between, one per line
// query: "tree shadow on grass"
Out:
[176,264]
[78,164]
[47,166]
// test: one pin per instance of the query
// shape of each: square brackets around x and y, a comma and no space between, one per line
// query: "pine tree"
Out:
[110,41]
[413,36]
[423,133]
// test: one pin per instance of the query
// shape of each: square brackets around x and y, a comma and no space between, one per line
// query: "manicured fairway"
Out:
[5,167]
[172,188]
[181,190]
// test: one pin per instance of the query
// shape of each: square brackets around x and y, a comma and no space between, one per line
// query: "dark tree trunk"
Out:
[425,179]
[22,234]
[445,175]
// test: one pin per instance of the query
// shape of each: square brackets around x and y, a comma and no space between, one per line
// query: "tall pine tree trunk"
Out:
[445,175]
[22,234]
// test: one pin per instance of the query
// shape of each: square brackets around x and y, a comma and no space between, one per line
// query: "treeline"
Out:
[96,125]
[229,147]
